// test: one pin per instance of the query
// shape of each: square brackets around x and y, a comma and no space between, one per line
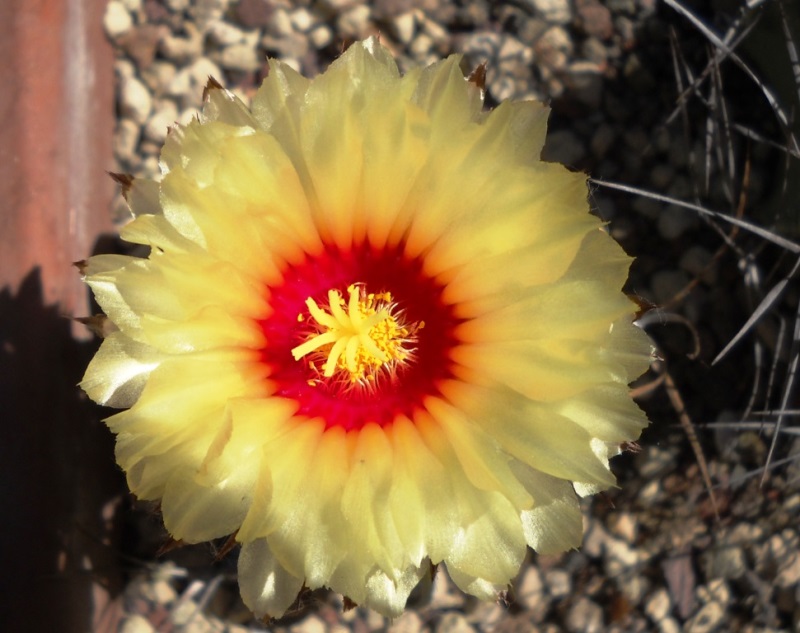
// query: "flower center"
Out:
[357,353]
[357,340]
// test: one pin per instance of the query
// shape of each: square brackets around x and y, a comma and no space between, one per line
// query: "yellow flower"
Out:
[374,333]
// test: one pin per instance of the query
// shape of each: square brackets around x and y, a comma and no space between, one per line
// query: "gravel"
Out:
[655,558]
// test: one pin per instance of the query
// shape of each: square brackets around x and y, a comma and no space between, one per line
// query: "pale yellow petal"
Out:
[532,432]
[118,372]
[554,524]
[484,463]
[567,310]
[365,500]
[488,543]
[421,496]
[170,287]
[222,105]
[478,587]
[447,97]
[279,97]
[388,594]
[211,327]
[142,197]
[517,128]
[541,370]
[332,135]
[606,412]
[494,281]
[211,500]
[266,587]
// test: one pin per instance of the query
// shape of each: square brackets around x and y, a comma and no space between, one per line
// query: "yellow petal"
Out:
[554,524]
[117,374]
[266,587]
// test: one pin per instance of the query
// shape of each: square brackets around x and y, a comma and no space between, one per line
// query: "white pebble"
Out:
[657,605]
[156,128]
[240,57]
[135,100]
[301,19]
[403,26]
[554,11]
[136,624]
[321,36]
[126,139]
[116,20]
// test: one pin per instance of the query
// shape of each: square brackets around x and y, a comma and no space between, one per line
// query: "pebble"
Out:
[454,623]
[133,6]
[674,221]
[253,14]
[594,18]
[116,20]
[157,126]
[444,593]
[409,622]
[623,525]
[182,50]
[665,284]
[311,624]
[321,36]
[594,50]
[603,140]
[559,583]
[280,25]
[136,624]
[661,175]
[650,493]
[554,48]
[126,140]
[158,77]
[421,46]
[594,540]
[188,82]
[163,592]
[124,69]
[224,34]
[554,11]
[531,594]
[789,571]
[177,6]
[658,605]
[669,625]
[698,262]
[584,617]
[585,82]
[301,19]
[709,618]
[621,556]
[243,57]
[717,590]
[726,561]
[134,100]
[403,26]
[206,12]
[354,22]
[436,31]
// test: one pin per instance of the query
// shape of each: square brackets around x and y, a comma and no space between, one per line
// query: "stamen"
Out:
[359,339]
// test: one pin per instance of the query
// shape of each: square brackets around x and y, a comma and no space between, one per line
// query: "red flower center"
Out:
[413,330]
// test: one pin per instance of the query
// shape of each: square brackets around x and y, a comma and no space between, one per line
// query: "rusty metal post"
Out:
[57,476]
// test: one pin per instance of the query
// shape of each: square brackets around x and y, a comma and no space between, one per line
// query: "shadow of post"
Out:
[58,480]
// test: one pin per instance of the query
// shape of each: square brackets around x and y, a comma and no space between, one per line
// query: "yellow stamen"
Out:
[357,338]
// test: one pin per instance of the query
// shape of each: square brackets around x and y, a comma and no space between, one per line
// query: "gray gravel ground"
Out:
[642,97]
